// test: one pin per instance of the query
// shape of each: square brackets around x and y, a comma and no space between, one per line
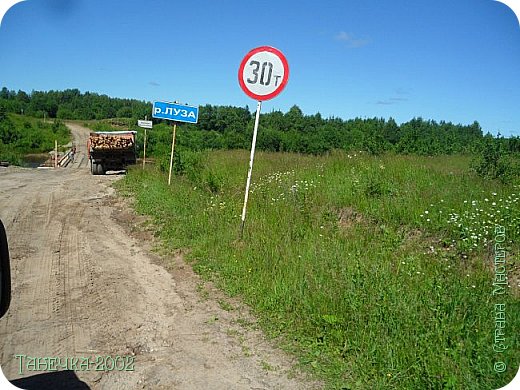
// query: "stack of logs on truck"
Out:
[111,151]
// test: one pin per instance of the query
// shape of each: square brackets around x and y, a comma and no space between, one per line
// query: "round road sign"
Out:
[263,73]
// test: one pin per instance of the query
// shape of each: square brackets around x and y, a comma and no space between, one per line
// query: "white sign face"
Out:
[263,73]
[145,124]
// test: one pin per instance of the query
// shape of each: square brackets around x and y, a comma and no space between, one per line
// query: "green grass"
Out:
[341,262]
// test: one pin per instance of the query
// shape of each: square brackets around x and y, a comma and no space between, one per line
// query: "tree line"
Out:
[71,104]
[228,127]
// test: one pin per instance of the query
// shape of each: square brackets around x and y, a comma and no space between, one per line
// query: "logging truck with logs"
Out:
[111,151]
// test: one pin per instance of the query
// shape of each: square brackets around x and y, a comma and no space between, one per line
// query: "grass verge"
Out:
[377,272]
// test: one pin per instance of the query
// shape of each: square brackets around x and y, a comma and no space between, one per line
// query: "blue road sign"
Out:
[175,112]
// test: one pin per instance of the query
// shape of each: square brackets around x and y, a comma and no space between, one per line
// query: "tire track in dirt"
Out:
[27,283]
[84,287]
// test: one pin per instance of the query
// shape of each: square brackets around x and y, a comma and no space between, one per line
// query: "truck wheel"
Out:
[96,169]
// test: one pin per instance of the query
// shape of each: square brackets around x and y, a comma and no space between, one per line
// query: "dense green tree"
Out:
[232,127]
[3,113]
[294,119]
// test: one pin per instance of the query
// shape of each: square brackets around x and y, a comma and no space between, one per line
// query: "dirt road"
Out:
[85,286]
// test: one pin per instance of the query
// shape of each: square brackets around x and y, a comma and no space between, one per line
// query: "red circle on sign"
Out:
[244,62]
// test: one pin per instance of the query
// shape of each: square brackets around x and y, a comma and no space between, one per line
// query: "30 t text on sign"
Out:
[263,73]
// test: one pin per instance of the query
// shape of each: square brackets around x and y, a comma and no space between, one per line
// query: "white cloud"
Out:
[351,41]
[392,100]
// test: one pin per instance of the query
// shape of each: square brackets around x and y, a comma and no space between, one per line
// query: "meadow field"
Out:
[375,271]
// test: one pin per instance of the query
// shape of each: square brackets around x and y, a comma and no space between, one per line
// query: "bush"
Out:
[377,187]
[496,161]
[213,181]
[187,162]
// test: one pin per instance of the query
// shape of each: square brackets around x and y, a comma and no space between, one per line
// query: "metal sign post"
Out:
[171,155]
[251,158]
[144,148]
[262,75]
[146,124]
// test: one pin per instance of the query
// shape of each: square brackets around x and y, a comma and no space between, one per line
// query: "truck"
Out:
[111,151]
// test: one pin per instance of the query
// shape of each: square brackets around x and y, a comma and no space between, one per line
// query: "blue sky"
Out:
[453,60]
